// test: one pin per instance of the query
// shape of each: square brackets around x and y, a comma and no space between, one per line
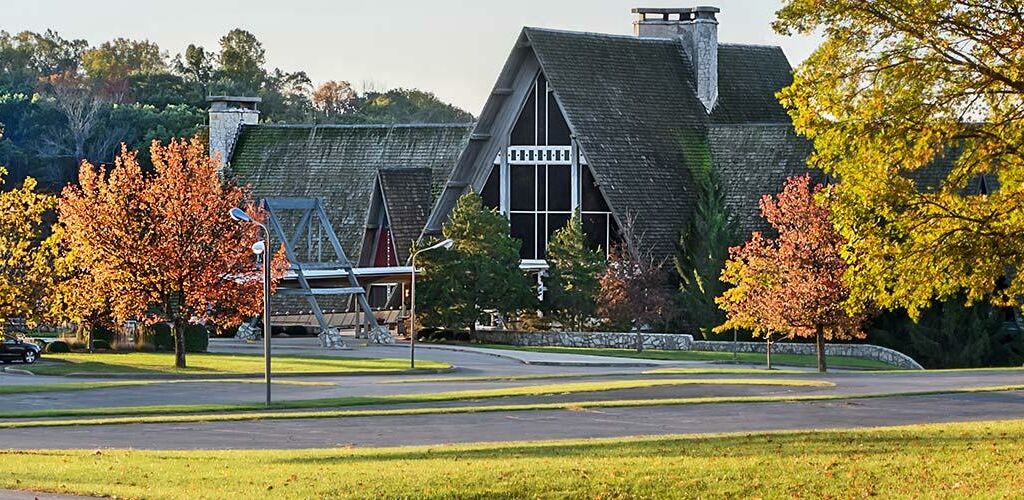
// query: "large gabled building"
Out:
[615,126]
[611,125]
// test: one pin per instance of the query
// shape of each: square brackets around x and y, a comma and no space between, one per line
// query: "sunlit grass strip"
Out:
[722,371]
[85,386]
[503,378]
[219,364]
[978,459]
[656,371]
[529,390]
[581,405]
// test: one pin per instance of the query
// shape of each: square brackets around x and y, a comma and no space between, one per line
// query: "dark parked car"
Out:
[14,349]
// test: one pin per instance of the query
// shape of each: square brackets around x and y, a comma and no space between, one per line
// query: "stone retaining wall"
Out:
[685,342]
[615,340]
[863,351]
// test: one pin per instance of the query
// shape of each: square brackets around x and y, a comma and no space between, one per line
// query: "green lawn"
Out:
[207,364]
[85,386]
[933,461]
[744,357]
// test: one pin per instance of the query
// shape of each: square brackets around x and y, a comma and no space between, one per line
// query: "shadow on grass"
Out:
[922,440]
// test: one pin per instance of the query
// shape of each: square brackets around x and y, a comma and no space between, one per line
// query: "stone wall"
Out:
[684,342]
[615,340]
[863,351]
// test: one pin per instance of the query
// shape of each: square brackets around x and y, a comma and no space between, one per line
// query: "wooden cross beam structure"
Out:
[313,218]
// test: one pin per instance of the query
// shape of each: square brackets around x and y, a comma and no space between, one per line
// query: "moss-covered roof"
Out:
[339,164]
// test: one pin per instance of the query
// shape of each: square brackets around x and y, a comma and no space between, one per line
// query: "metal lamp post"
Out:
[260,247]
[447,245]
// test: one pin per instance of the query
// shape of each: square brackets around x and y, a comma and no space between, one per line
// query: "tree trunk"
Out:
[819,338]
[768,351]
[639,340]
[178,334]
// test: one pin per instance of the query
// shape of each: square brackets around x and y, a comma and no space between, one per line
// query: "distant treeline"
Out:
[62,101]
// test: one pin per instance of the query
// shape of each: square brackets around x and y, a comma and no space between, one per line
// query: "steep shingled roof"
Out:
[339,163]
[407,199]
[631,104]
[749,76]
[755,160]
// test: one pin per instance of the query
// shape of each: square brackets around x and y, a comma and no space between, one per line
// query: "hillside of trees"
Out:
[65,100]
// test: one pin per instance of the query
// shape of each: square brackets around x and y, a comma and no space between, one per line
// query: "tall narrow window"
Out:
[540,176]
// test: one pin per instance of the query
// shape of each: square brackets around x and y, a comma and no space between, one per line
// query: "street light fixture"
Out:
[260,248]
[447,245]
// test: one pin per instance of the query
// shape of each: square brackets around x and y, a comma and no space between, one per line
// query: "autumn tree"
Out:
[573,276]
[161,243]
[916,107]
[791,283]
[25,250]
[634,289]
[479,275]
[334,98]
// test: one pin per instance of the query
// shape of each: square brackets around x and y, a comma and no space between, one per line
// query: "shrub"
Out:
[100,344]
[57,346]
[442,335]
[101,333]
[126,347]
[196,338]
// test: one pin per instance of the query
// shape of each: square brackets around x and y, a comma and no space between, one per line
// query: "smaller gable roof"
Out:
[407,200]
[339,163]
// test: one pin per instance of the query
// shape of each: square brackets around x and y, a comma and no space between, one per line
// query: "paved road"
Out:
[510,426]
[433,429]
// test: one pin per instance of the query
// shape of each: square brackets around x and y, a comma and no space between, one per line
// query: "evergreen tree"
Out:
[950,334]
[480,274]
[701,254]
[574,276]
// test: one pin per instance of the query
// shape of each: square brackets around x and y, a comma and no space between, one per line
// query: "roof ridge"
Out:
[358,125]
[603,35]
[752,124]
[739,44]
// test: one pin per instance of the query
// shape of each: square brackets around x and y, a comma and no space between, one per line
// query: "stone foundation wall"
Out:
[614,340]
[684,342]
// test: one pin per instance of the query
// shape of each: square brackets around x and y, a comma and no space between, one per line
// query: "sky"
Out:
[453,48]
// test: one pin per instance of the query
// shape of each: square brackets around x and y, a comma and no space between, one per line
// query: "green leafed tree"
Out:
[574,275]
[910,104]
[702,252]
[480,274]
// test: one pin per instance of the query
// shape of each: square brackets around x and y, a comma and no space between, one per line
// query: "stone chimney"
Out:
[227,115]
[697,29]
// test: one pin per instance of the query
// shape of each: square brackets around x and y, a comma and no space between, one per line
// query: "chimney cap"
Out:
[229,98]
[684,13]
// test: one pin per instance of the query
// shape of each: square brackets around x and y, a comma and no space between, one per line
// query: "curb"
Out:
[16,371]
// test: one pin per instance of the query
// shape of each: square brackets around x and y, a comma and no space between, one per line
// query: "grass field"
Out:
[933,461]
[743,357]
[207,364]
[85,386]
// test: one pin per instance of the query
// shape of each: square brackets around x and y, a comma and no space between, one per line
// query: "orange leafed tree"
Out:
[161,243]
[793,283]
